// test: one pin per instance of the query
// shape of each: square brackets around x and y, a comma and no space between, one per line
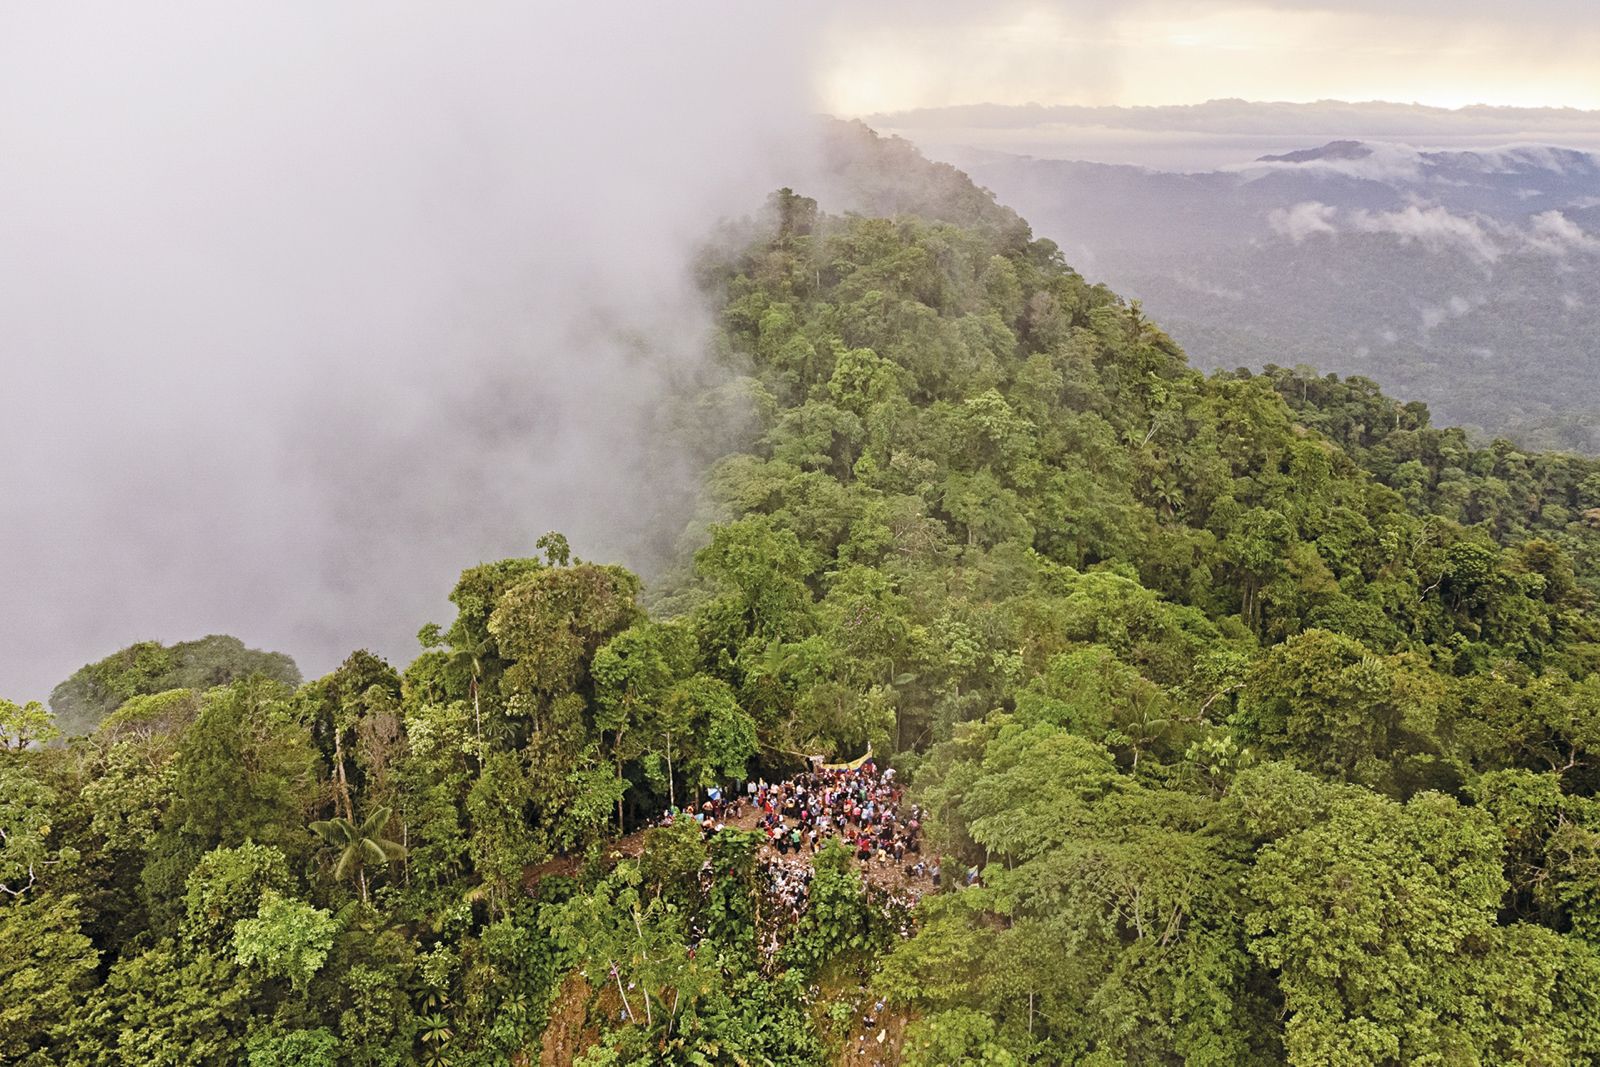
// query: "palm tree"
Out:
[472,656]
[360,844]
[434,1029]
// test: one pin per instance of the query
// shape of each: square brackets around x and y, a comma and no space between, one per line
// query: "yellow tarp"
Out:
[853,765]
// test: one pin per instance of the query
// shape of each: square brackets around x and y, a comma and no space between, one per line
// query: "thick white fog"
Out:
[305,307]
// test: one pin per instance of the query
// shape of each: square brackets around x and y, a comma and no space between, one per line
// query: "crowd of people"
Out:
[787,887]
[859,805]
[713,814]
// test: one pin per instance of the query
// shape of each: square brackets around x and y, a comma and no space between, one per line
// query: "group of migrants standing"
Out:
[858,804]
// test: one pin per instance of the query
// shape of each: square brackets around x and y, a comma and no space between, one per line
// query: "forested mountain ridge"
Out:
[1264,710]
[149,667]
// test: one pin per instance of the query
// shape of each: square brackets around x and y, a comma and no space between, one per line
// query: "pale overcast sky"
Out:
[1535,53]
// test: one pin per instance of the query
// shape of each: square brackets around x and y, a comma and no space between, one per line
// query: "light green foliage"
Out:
[620,935]
[292,1048]
[1380,920]
[633,674]
[764,568]
[1096,695]
[718,737]
[26,724]
[627,936]
[35,852]
[288,938]
[165,1008]
[46,967]
[730,740]
[151,719]
[433,773]
[227,886]
[958,1037]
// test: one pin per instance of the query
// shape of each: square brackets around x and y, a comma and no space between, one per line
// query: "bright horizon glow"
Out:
[1137,57]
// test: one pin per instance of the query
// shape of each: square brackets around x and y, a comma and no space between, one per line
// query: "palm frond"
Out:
[347,859]
[373,824]
[371,853]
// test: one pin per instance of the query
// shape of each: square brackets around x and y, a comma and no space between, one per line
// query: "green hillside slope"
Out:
[1254,719]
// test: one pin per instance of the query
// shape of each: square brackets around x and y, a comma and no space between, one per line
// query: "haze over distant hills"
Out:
[1468,278]
[1221,133]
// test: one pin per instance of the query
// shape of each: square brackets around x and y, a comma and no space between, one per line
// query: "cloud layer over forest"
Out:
[1438,229]
[303,309]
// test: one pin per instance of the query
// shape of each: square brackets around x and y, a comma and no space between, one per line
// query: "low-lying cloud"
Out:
[1554,233]
[1302,221]
[1437,229]
[303,308]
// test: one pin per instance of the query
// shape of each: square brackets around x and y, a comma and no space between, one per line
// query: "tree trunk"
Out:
[621,827]
[338,772]
[672,791]
[649,1017]
[617,974]
[477,716]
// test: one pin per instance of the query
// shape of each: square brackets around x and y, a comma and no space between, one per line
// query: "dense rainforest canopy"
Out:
[1265,712]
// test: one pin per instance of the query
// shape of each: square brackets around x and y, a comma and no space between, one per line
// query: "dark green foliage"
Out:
[243,772]
[1253,717]
[839,920]
[97,689]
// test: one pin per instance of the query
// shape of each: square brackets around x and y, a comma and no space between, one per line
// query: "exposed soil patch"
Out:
[567,1036]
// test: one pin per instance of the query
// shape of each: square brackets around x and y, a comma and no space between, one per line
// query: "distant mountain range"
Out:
[1220,133]
[1468,279]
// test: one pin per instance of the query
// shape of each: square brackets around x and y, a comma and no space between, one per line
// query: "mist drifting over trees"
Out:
[302,306]
[688,581]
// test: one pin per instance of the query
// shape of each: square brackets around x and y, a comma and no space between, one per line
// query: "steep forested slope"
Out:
[1264,712]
